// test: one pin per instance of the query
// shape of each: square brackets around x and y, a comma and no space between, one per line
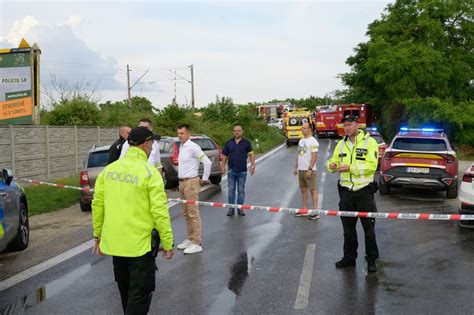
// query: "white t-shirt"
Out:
[306,146]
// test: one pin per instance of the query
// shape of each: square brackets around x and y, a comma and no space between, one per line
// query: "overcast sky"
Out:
[250,51]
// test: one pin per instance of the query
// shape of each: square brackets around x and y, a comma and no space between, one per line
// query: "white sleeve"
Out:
[155,156]
[314,145]
[124,151]
[202,157]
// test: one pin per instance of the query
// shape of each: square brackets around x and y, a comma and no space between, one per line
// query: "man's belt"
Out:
[187,178]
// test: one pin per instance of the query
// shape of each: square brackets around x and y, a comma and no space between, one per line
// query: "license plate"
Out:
[418,170]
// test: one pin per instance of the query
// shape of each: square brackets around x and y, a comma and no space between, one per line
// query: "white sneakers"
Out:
[189,247]
[184,244]
[193,249]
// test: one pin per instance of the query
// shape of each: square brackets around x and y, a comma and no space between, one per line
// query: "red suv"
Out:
[420,158]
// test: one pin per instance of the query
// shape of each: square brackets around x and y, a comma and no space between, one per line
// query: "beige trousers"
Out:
[189,190]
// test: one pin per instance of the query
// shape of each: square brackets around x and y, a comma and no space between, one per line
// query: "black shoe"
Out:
[371,266]
[230,212]
[345,263]
[241,213]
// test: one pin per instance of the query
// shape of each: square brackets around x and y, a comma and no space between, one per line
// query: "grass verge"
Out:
[43,199]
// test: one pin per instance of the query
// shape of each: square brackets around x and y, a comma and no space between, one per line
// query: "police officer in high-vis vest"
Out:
[129,202]
[355,158]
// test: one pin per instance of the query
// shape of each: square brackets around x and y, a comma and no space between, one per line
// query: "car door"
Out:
[10,209]
[3,230]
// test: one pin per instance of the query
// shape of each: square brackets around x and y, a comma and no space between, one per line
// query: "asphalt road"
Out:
[274,263]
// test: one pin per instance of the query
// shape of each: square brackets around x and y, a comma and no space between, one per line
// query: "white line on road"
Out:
[302,296]
[28,273]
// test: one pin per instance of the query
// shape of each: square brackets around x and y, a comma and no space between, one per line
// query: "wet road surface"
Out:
[274,263]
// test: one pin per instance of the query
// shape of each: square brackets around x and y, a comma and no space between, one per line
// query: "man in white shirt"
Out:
[155,157]
[190,156]
[305,167]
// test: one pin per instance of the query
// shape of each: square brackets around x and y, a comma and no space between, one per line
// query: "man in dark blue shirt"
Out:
[236,151]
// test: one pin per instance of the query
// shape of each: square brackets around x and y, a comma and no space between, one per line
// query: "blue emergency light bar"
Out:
[406,129]
[371,129]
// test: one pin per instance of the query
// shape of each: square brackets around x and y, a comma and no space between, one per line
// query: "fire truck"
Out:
[327,119]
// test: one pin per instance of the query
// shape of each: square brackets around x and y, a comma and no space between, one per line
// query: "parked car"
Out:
[276,122]
[466,196]
[95,161]
[169,149]
[13,214]
[421,158]
[378,137]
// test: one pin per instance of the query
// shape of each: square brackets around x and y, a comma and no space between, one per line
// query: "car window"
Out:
[205,144]
[98,159]
[378,138]
[419,144]
[297,121]
[164,146]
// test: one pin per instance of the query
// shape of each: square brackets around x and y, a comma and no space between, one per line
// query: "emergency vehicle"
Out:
[373,132]
[362,111]
[466,195]
[293,120]
[421,158]
[327,119]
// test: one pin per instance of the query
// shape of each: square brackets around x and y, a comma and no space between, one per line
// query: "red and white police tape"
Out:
[37,182]
[335,213]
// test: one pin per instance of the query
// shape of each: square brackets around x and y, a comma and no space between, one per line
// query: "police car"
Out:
[373,132]
[466,195]
[421,158]
[14,223]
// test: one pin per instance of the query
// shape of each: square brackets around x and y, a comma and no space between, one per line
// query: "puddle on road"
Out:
[46,292]
[241,268]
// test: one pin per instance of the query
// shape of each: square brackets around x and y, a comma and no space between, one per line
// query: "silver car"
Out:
[95,161]
[15,229]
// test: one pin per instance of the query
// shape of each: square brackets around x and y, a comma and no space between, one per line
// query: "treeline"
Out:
[417,67]
[215,120]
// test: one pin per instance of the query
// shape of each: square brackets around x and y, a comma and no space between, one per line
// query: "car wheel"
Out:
[22,238]
[85,207]
[384,187]
[288,143]
[452,192]
[215,179]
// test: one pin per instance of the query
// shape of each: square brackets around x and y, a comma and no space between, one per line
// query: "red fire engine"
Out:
[327,119]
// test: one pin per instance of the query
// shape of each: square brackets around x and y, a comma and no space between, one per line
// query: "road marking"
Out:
[28,273]
[302,296]
[33,271]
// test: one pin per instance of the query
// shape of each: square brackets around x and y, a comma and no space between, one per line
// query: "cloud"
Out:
[64,55]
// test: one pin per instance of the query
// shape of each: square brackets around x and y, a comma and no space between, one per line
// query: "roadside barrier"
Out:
[335,213]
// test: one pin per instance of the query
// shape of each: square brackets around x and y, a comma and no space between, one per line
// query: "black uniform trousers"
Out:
[361,200]
[135,277]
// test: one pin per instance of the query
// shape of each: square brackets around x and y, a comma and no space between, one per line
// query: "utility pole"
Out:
[129,88]
[192,86]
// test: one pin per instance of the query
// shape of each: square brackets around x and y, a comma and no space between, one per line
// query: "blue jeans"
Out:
[236,179]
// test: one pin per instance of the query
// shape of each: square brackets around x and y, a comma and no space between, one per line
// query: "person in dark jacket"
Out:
[116,148]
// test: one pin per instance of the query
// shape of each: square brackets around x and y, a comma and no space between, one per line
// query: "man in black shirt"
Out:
[237,150]
[116,148]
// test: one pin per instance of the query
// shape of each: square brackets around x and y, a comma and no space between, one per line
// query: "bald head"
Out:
[124,131]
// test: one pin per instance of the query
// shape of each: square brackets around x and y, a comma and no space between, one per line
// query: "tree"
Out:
[417,65]
[77,111]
